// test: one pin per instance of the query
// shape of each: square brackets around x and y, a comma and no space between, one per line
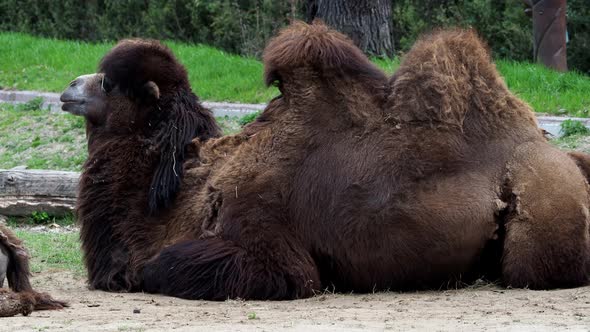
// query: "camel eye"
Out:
[106,85]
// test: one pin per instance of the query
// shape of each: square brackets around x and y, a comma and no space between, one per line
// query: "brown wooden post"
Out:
[549,32]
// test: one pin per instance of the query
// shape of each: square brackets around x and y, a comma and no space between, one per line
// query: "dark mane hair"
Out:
[187,119]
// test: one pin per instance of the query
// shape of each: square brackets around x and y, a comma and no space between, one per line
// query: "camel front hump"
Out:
[547,241]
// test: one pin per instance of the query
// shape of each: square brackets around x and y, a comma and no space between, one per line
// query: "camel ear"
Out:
[151,91]
[184,120]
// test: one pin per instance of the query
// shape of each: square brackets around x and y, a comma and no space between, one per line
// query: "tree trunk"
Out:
[549,32]
[367,22]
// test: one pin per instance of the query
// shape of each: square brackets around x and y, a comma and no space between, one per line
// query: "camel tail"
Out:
[302,52]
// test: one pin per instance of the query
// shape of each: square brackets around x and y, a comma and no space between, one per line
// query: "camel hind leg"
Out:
[262,266]
[547,241]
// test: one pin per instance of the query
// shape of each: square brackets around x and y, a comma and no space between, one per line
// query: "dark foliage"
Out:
[502,23]
[237,26]
[578,52]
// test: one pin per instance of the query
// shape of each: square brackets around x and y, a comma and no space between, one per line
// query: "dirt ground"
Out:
[476,308]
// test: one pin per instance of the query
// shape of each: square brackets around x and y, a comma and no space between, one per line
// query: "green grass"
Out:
[53,251]
[39,139]
[32,63]
[578,142]
[573,127]
[548,91]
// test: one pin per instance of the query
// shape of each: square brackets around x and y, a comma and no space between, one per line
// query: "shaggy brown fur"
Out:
[141,113]
[21,298]
[355,181]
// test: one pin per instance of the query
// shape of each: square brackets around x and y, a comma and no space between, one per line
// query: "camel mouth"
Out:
[72,101]
[73,106]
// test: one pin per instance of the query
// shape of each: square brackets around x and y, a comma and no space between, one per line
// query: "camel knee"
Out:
[537,259]
[547,241]
[111,271]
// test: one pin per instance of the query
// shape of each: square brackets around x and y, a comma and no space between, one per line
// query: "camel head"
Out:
[141,91]
[139,84]
[102,102]
[105,105]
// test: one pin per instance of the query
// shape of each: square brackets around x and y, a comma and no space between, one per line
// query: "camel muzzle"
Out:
[75,96]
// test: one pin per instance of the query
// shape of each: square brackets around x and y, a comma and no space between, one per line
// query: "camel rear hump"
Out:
[447,74]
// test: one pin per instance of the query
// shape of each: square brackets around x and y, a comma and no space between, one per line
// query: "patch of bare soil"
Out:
[482,308]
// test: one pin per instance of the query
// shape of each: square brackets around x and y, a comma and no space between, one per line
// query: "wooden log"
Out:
[23,192]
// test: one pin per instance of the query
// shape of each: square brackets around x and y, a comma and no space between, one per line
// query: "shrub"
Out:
[38,218]
[573,127]
[239,26]
[34,104]
[502,23]
[248,118]
[578,49]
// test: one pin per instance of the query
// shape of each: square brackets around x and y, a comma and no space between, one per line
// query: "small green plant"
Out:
[36,142]
[573,127]
[40,218]
[248,118]
[12,222]
[34,104]
[252,315]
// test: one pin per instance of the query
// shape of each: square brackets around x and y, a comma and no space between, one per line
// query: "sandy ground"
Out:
[480,308]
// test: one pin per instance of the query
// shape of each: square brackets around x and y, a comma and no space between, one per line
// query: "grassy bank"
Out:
[546,90]
[32,63]
[53,251]
[39,139]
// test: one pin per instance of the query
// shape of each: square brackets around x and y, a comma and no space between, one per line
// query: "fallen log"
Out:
[23,192]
